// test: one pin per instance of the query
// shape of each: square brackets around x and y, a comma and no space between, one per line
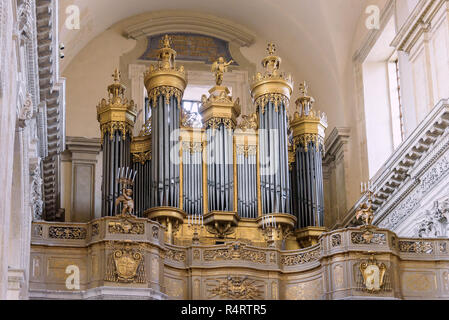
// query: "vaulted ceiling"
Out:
[315,35]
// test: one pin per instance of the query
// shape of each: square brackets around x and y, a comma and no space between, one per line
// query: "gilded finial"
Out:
[219,67]
[116,75]
[166,42]
[271,49]
[303,89]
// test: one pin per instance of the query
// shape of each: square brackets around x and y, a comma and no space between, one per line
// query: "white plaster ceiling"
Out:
[315,35]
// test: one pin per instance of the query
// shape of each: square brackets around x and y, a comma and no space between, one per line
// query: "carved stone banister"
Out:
[402,173]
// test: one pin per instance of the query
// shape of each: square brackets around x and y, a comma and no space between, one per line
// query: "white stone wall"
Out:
[20,176]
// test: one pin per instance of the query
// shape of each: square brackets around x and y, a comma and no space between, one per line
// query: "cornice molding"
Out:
[179,21]
[336,140]
[418,22]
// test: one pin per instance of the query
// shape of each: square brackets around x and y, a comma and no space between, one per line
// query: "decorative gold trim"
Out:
[167,92]
[276,98]
[373,275]
[272,86]
[141,149]
[116,113]
[165,74]
[219,108]
[126,263]
[307,125]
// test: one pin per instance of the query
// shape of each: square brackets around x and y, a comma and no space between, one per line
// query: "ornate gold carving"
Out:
[237,288]
[126,263]
[146,129]
[246,150]
[155,232]
[219,67]
[95,229]
[235,252]
[171,80]
[116,113]
[167,92]
[126,199]
[125,226]
[141,145]
[306,139]
[307,125]
[67,233]
[336,240]
[37,231]
[249,122]
[196,255]
[368,237]
[373,274]
[214,123]
[301,258]
[423,247]
[272,81]
[192,147]
[365,213]
[141,157]
[277,99]
[175,255]
[190,120]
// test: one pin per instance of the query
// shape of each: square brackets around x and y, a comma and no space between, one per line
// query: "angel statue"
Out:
[219,68]
[126,198]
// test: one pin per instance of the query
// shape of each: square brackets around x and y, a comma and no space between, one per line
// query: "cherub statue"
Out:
[126,198]
[219,68]
[365,213]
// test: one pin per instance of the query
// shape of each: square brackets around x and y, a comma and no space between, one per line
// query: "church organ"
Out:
[229,170]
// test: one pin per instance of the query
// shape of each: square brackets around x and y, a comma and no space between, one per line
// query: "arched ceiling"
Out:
[314,35]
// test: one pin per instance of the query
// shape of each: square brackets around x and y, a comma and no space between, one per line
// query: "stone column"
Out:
[83,156]
[336,172]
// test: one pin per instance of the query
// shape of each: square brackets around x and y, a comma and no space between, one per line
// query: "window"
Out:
[382,99]
[397,123]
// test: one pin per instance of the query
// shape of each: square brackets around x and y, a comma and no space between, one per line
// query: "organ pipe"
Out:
[117,117]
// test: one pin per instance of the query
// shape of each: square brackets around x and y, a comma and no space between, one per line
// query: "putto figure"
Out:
[126,178]
[219,68]
[126,199]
